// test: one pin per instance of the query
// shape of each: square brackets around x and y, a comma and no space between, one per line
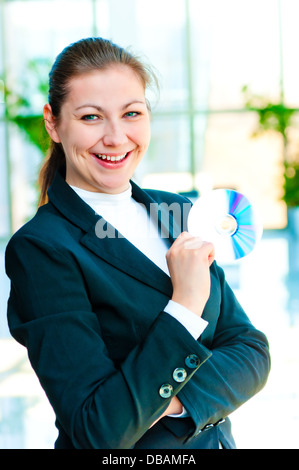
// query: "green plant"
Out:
[277,117]
[291,184]
[24,106]
[272,116]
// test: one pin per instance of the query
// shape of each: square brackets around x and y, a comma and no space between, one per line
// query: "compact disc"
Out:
[227,219]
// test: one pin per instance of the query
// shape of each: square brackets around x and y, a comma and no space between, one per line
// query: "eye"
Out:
[132,114]
[90,117]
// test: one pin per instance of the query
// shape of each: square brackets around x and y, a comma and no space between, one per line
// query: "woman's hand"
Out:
[174,407]
[189,260]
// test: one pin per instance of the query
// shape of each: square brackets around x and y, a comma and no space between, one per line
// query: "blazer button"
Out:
[179,374]
[166,390]
[192,361]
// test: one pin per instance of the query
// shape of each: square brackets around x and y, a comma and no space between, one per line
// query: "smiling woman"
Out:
[137,339]
[111,134]
[102,86]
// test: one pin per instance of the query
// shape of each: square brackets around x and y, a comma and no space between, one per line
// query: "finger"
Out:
[183,237]
[196,243]
[193,244]
[211,257]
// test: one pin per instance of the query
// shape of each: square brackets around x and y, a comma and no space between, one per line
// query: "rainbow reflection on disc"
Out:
[227,219]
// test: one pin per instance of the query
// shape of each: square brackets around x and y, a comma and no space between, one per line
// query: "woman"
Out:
[137,340]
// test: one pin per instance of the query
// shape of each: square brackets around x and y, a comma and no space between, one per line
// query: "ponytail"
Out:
[55,160]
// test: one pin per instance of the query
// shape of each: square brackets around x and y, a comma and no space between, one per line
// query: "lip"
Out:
[111,165]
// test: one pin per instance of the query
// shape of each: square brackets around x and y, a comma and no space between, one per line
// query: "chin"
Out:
[112,187]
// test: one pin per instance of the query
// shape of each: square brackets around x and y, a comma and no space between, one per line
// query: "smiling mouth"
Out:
[111,159]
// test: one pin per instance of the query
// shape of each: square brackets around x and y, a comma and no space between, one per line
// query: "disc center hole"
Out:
[226,225]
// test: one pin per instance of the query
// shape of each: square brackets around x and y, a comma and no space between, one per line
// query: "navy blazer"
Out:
[90,312]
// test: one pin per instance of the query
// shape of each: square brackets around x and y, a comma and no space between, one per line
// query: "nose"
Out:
[114,135]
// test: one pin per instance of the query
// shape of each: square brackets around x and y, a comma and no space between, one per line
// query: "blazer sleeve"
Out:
[97,404]
[237,369]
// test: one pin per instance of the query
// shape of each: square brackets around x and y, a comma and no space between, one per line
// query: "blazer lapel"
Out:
[116,250]
[120,253]
[159,212]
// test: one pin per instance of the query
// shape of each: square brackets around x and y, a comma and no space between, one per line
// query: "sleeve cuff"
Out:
[192,322]
[183,414]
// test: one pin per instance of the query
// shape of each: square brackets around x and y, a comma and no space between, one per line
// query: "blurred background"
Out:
[227,116]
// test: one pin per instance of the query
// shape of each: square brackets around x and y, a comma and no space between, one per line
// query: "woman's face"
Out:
[104,128]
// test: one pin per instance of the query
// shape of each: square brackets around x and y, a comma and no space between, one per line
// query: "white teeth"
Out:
[113,159]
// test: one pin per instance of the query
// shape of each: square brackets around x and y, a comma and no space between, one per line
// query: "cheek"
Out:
[143,135]
[78,139]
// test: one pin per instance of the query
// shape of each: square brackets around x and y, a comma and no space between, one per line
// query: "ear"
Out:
[50,123]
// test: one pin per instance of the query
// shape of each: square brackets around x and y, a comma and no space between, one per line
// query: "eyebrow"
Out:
[100,109]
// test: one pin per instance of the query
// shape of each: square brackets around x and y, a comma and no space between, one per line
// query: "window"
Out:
[204,52]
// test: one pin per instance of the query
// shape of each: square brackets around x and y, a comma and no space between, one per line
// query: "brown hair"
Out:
[78,58]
